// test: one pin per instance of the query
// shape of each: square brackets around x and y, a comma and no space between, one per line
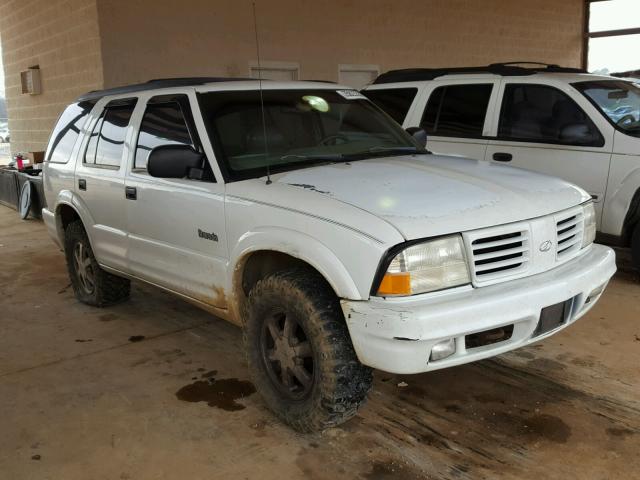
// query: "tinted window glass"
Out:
[66,132]
[106,143]
[162,124]
[618,100]
[457,110]
[544,114]
[395,101]
[90,153]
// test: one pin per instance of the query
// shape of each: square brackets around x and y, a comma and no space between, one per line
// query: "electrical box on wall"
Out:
[30,80]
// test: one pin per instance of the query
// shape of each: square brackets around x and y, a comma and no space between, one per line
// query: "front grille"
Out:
[500,255]
[568,236]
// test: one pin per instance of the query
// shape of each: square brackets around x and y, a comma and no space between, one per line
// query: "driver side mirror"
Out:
[419,135]
[175,161]
[577,134]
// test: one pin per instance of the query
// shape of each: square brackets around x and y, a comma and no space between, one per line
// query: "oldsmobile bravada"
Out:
[304,214]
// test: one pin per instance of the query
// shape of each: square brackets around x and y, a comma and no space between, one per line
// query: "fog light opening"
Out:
[443,349]
[596,292]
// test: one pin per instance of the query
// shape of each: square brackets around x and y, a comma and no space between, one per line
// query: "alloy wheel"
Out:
[287,355]
[84,268]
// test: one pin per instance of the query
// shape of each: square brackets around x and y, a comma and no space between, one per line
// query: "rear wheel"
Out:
[300,354]
[91,284]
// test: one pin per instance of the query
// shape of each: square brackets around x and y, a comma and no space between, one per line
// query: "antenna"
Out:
[264,122]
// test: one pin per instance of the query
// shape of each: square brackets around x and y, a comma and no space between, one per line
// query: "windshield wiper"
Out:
[388,151]
[381,149]
[332,157]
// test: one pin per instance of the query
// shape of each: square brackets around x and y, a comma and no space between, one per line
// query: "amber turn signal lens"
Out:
[395,284]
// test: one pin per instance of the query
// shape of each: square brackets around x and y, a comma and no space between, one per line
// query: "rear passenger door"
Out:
[99,181]
[457,116]
[177,235]
[542,128]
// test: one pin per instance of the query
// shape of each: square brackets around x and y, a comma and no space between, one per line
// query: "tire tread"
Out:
[344,381]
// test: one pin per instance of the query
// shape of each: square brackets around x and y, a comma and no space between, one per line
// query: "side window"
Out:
[66,132]
[162,124]
[457,110]
[395,101]
[539,113]
[106,143]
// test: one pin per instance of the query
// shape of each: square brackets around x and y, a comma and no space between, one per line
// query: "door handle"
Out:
[502,157]
[82,184]
[131,193]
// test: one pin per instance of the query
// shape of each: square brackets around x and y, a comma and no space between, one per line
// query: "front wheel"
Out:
[635,247]
[300,354]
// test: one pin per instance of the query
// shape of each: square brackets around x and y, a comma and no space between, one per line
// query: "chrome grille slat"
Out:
[569,236]
[496,243]
[510,251]
[495,265]
[499,253]
[571,233]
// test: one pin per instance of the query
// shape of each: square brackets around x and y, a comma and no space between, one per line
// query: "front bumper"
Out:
[397,334]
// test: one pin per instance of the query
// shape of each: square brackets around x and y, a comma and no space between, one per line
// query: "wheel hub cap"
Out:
[83,267]
[287,354]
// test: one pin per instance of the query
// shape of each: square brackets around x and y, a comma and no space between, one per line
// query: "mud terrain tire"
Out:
[335,385]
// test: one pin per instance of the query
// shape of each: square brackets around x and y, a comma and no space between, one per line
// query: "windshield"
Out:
[618,100]
[301,128]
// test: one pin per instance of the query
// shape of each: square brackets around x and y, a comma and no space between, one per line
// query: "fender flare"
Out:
[70,199]
[298,245]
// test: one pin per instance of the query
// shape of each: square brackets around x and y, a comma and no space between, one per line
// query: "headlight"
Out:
[425,267]
[589,232]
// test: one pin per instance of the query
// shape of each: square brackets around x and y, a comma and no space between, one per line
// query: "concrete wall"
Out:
[143,39]
[82,45]
[61,36]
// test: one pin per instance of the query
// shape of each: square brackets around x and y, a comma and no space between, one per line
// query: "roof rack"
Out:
[156,84]
[502,69]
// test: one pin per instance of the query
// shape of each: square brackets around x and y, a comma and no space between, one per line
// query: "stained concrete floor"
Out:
[112,394]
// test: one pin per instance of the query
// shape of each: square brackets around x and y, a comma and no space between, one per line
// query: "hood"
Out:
[429,195]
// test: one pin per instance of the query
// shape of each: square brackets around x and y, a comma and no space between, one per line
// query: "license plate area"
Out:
[553,316]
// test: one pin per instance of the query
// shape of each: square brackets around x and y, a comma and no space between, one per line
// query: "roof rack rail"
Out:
[155,84]
[502,69]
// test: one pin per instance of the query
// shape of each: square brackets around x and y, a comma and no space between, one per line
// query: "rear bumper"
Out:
[397,335]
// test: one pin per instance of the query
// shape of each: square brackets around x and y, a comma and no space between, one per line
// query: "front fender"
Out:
[298,245]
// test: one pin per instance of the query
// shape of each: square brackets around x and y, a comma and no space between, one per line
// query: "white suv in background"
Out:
[560,121]
[303,213]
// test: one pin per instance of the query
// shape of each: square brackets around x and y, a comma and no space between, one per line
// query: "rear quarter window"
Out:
[67,131]
[106,143]
[395,101]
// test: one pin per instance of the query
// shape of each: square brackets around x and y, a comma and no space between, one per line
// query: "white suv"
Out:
[301,212]
[560,121]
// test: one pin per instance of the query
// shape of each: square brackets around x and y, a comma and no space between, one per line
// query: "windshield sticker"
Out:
[351,94]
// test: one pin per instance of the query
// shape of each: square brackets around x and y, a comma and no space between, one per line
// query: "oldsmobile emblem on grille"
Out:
[545,246]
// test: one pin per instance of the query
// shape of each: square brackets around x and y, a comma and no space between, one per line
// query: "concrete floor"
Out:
[80,399]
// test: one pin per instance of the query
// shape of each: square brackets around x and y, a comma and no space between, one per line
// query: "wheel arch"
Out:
[261,253]
[68,209]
